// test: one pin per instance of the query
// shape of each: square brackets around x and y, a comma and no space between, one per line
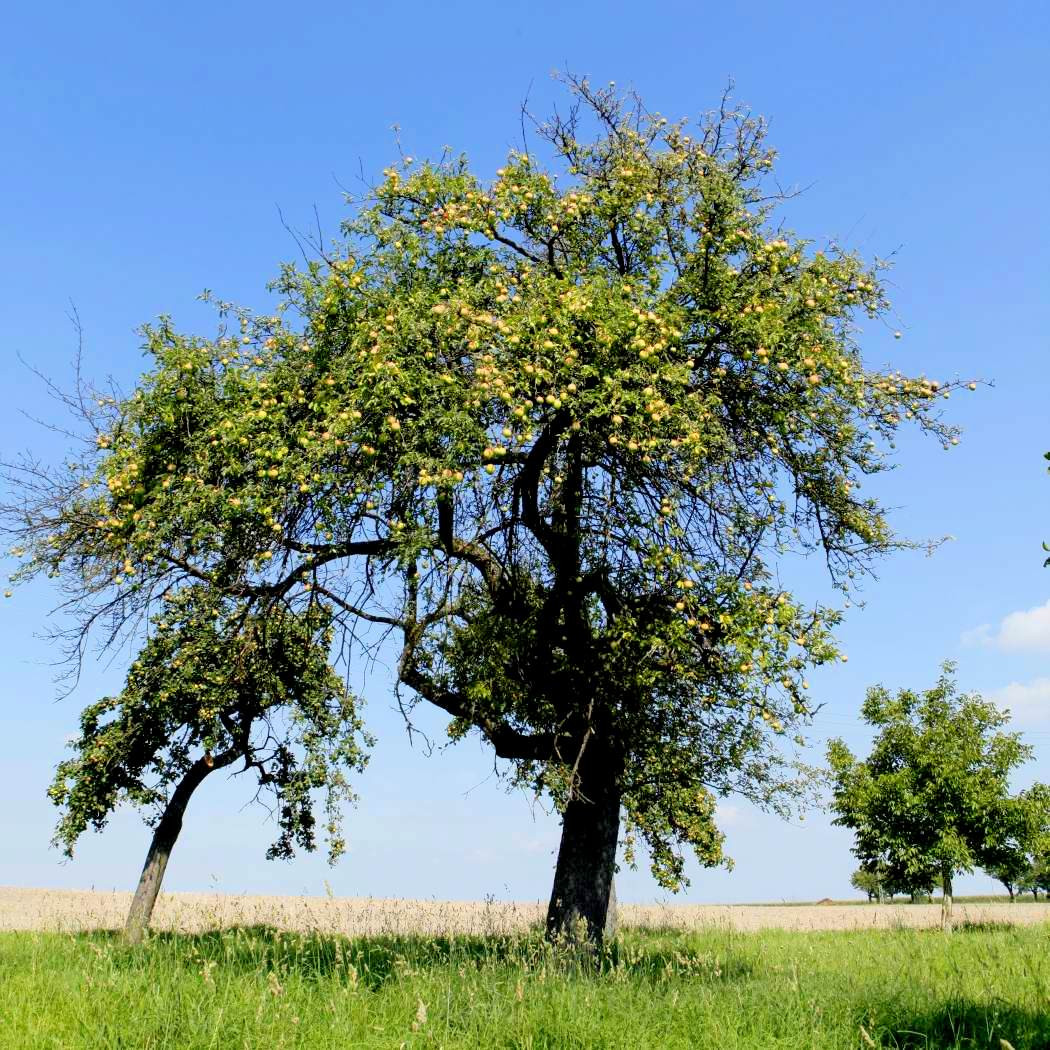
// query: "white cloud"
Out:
[1027,702]
[1025,629]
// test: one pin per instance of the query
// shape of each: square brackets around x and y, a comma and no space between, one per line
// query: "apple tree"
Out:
[213,686]
[553,430]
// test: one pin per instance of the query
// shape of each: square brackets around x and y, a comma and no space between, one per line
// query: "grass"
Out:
[258,988]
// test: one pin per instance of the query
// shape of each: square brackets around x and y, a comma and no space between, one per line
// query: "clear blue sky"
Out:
[148,149]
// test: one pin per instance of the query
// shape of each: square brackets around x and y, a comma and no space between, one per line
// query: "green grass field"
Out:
[254,988]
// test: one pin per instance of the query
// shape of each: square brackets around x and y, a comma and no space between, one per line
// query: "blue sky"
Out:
[151,151]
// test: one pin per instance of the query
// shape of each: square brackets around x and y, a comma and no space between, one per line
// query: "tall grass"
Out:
[259,988]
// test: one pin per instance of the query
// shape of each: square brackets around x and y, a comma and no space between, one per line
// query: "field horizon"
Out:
[61,910]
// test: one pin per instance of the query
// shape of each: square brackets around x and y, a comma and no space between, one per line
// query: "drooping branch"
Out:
[508,742]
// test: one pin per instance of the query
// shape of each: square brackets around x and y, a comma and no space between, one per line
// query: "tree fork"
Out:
[164,837]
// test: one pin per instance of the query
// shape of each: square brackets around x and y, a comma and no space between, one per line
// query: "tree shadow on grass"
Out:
[309,956]
[986,926]
[966,1025]
[374,960]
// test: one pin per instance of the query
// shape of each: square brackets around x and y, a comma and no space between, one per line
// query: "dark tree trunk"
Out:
[583,900]
[946,899]
[164,836]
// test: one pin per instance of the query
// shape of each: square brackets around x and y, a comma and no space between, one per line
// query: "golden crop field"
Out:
[72,910]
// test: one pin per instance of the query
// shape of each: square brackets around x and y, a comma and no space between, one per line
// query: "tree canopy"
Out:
[216,685]
[1024,840]
[933,796]
[553,428]
[869,880]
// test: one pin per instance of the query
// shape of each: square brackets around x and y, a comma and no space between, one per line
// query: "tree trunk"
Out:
[164,837]
[1010,890]
[946,900]
[612,915]
[583,901]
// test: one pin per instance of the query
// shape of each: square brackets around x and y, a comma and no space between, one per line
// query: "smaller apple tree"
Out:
[215,684]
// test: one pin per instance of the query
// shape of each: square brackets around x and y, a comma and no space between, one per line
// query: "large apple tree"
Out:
[554,430]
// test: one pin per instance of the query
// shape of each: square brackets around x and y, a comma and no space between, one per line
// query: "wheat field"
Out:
[79,910]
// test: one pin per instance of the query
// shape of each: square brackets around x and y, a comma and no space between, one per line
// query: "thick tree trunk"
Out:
[164,837]
[946,900]
[583,901]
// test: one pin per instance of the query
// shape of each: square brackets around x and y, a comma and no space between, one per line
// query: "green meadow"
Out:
[978,986]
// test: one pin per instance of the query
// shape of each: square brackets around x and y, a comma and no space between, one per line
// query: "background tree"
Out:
[1036,877]
[934,792]
[1024,839]
[1010,872]
[555,429]
[214,685]
[915,882]
[918,884]
[870,881]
